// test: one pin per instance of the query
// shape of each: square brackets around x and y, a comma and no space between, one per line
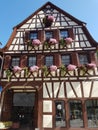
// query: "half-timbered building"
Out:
[49,73]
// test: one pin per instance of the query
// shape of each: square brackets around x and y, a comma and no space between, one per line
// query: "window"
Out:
[33,35]
[92,113]
[49,60]
[66,60]
[15,61]
[83,58]
[63,34]
[48,34]
[75,113]
[31,61]
[60,114]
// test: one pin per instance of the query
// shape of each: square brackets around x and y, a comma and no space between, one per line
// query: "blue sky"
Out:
[12,12]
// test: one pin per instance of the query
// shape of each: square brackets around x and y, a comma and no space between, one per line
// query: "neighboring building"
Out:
[49,74]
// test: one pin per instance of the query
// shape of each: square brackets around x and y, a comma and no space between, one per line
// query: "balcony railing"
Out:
[44,73]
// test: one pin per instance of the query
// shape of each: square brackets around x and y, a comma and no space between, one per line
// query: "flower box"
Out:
[36,42]
[91,65]
[53,68]
[17,69]
[65,41]
[34,68]
[71,67]
[68,40]
[52,41]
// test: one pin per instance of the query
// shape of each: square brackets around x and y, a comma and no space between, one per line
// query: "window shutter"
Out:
[40,60]
[56,34]
[26,36]
[7,61]
[92,57]
[71,33]
[41,35]
[23,62]
[74,58]
[57,60]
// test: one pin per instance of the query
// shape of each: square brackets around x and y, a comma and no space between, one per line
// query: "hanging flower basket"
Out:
[36,42]
[48,20]
[71,67]
[53,68]
[34,68]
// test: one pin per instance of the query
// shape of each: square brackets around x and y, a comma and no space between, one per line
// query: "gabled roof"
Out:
[57,8]
[78,22]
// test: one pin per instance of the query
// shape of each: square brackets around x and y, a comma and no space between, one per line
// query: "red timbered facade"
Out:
[49,73]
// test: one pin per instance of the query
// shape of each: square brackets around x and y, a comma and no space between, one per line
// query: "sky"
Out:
[13,12]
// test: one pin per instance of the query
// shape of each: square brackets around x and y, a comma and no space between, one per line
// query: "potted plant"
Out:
[36,42]
[48,20]
[62,69]
[45,70]
[53,68]
[49,42]
[34,68]
[8,74]
[91,65]
[68,40]
[17,69]
[65,41]
[82,69]
[71,67]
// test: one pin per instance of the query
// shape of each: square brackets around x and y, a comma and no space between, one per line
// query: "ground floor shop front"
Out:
[51,105]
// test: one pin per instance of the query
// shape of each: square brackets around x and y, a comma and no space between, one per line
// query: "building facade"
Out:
[49,73]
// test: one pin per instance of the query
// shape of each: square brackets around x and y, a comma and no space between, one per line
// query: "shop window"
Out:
[75,113]
[49,60]
[48,34]
[15,61]
[33,35]
[60,114]
[64,34]
[31,61]
[83,58]
[66,59]
[92,113]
